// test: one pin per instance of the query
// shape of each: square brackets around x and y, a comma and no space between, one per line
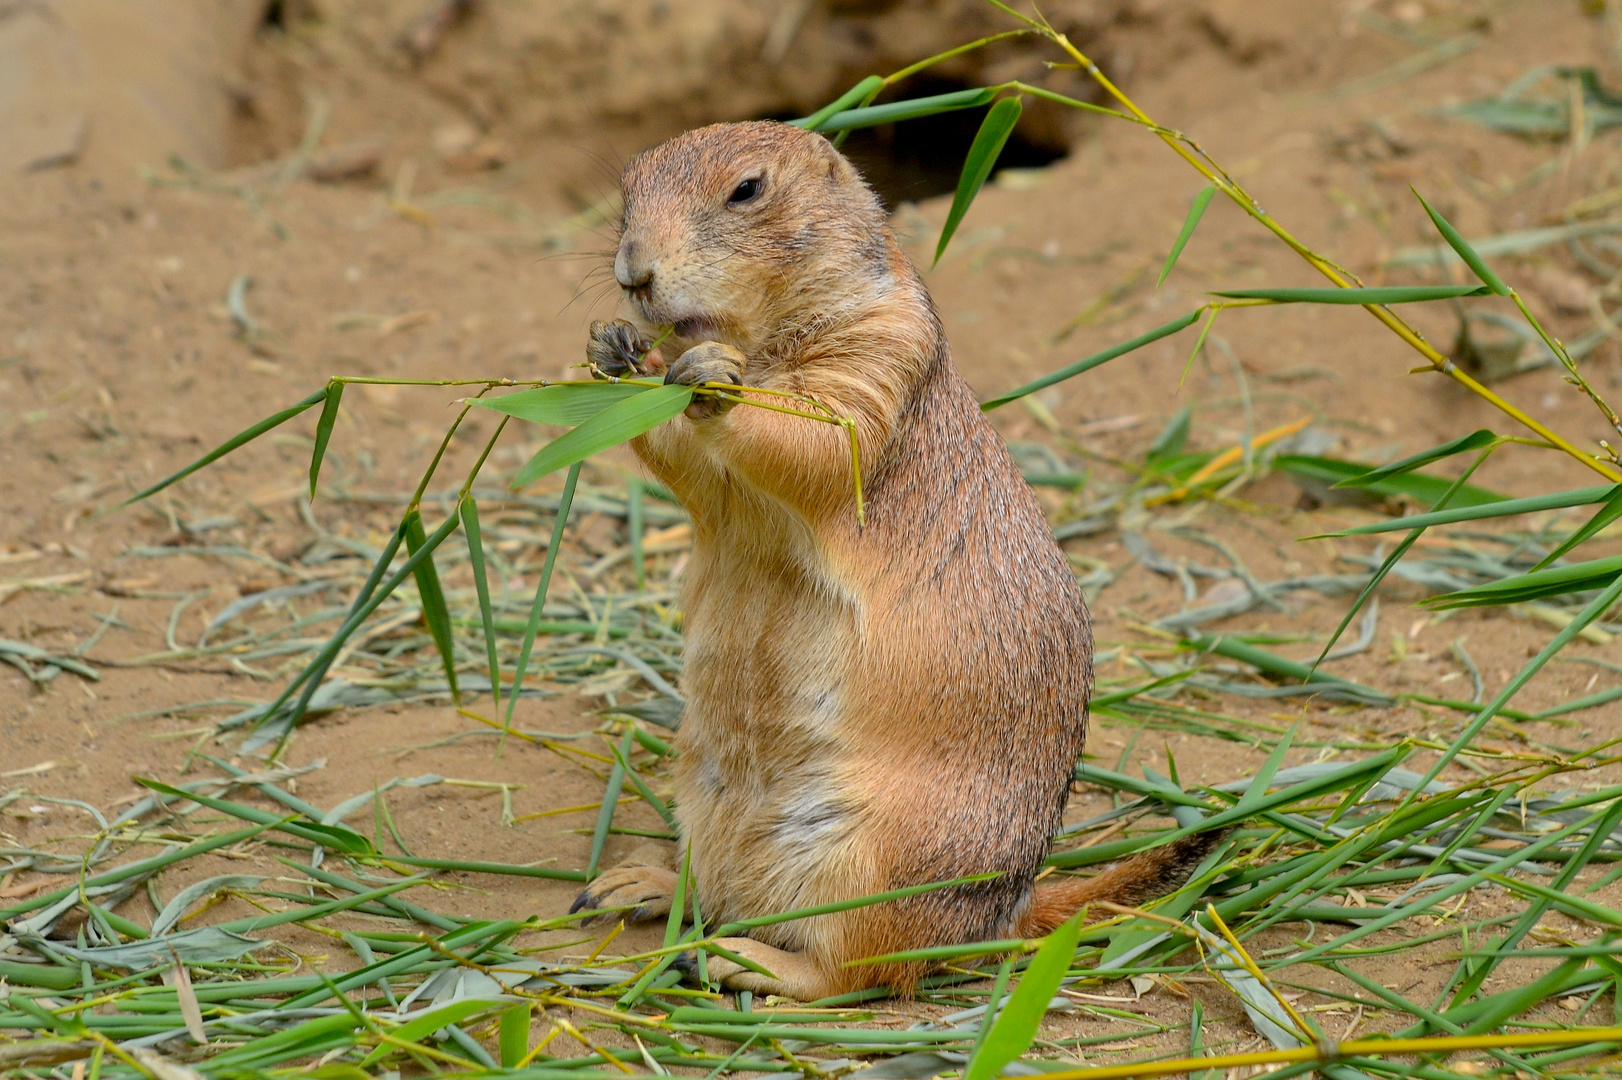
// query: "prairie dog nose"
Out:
[632,268]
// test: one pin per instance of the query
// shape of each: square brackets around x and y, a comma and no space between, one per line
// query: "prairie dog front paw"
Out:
[708,362]
[618,349]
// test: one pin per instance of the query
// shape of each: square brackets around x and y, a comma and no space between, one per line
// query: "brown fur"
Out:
[868,708]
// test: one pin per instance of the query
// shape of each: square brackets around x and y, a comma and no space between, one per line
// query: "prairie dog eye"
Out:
[745,192]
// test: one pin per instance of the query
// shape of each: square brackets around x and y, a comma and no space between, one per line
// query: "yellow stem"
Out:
[1397,326]
[1229,456]
[1328,1052]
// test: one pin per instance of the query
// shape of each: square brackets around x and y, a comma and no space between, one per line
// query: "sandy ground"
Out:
[119,361]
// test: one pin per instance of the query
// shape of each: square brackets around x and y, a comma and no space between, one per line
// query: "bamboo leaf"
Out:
[1172,438]
[1508,508]
[1473,441]
[1276,665]
[1382,294]
[1555,581]
[911,109]
[860,92]
[434,611]
[176,909]
[481,584]
[422,1026]
[533,626]
[1090,362]
[616,424]
[229,445]
[611,798]
[337,837]
[564,404]
[1459,244]
[982,158]
[1419,486]
[1607,513]
[514,1035]
[141,868]
[1016,1025]
[1195,212]
[1199,343]
[634,491]
[203,945]
[647,793]
[1408,541]
[323,431]
[466,866]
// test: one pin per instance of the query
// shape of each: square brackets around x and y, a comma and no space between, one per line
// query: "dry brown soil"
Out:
[119,360]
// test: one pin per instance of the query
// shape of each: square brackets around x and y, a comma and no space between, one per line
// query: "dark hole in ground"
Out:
[922,158]
[275,15]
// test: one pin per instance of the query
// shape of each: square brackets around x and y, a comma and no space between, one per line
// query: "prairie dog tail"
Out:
[1142,878]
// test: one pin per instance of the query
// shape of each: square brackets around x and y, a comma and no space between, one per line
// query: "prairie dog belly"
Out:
[762,796]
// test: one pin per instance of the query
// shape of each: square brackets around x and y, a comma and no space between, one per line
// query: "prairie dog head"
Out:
[744,232]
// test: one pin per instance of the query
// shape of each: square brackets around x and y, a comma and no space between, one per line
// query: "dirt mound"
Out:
[238,82]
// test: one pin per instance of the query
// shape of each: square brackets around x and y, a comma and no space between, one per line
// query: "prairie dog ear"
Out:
[838,168]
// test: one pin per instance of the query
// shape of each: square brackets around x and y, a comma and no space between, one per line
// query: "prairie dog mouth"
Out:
[694,328]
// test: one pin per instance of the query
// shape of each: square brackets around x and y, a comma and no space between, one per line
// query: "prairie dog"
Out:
[869,707]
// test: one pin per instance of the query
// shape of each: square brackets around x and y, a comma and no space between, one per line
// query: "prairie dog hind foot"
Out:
[793,974]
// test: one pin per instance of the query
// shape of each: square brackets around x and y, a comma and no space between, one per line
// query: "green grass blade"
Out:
[1173,437]
[1195,212]
[1380,294]
[616,424]
[1607,513]
[316,669]
[467,866]
[1395,557]
[1273,664]
[858,93]
[138,869]
[337,837]
[1199,343]
[1534,585]
[513,1039]
[434,611]
[635,490]
[622,758]
[1473,441]
[533,626]
[1264,776]
[1090,362]
[479,934]
[1430,902]
[229,445]
[1416,485]
[982,158]
[1476,971]
[1459,244]
[565,404]
[481,584]
[611,798]
[1558,500]
[911,109]
[993,1005]
[678,902]
[323,431]
[421,1027]
[310,678]
[1017,1024]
